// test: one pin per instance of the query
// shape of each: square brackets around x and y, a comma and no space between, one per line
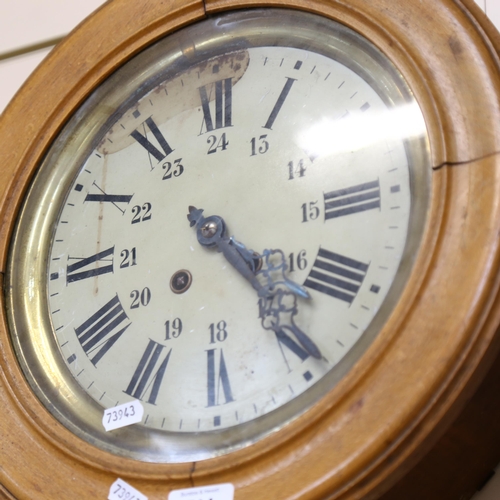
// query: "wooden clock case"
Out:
[435,348]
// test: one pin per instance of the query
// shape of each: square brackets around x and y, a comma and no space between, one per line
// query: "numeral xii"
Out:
[223,105]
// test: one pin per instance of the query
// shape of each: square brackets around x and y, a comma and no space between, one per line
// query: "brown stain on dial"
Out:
[174,96]
[100,222]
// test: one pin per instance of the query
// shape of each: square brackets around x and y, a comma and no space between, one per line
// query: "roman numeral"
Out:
[74,271]
[149,373]
[148,145]
[109,198]
[103,197]
[351,200]
[279,103]
[223,105]
[216,381]
[101,331]
[336,275]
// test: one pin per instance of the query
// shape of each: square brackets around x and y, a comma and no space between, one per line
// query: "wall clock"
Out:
[273,226]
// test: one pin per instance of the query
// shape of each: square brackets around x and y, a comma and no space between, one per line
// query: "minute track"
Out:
[280,331]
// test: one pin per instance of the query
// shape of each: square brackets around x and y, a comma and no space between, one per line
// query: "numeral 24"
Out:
[216,143]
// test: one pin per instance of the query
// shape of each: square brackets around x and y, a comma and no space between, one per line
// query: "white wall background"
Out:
[24,24]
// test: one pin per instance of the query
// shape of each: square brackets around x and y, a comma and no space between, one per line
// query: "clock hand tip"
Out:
[304,339]
[194,215]
[297,289]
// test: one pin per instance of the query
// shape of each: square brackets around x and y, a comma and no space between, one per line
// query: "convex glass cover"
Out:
[219,232]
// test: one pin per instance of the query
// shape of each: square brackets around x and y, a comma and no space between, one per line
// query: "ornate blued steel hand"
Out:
[277,294]
[210,232]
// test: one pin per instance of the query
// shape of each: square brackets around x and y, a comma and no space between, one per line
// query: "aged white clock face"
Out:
[202,359]
[309,166]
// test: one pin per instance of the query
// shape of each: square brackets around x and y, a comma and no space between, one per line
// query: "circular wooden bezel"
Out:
[436,345]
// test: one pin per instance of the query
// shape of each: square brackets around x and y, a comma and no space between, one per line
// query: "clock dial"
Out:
[231,235]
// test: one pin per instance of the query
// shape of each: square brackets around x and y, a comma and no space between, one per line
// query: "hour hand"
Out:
[274,296]
[210,232]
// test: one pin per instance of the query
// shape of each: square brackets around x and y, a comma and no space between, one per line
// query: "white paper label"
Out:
[123,415]
[120,490]
[212,492]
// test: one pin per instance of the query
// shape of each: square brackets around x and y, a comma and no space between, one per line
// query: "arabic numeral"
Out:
[216,143]
[263,145]
[174,329]
[145,210]
[176,171]
[298,261]
[129,258]
[310,211]
[140,298]
[294,171]
[218,333]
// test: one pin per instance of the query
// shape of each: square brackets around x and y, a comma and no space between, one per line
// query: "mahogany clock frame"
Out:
[434,349]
